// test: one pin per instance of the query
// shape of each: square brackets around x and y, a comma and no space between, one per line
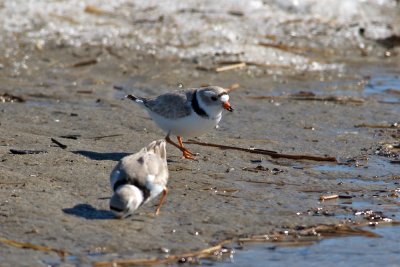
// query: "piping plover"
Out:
[138,178]
[186,113]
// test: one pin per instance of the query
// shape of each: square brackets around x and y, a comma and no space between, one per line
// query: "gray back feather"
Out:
[175,104]
[150,160]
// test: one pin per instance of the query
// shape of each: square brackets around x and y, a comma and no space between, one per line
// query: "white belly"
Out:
[189,126]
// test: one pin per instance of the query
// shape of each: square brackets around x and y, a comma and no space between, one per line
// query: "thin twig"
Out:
[272,154]
[70,136]
[85,91]
[310,96]
[345,196]
[231,67]
[104,136]
[61,145]
[26,151]
[312,233]
[157,261]
[377,126]
[85,63]
[267,182]
[25,245]
[322,190]
[339,99]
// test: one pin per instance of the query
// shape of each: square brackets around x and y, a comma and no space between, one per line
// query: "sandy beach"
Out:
[63,127]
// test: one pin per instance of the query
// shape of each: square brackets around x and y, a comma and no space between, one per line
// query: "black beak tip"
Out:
[230,109]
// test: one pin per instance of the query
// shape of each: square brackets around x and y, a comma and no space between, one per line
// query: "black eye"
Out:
[214,98]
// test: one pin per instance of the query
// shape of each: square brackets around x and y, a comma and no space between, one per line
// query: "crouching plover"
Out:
[186,113]
[138,178]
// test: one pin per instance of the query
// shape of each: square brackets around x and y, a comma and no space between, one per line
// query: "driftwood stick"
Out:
[272,154]
[158,261]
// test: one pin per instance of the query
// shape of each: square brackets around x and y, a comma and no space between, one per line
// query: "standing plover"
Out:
[186,113]
[138,178]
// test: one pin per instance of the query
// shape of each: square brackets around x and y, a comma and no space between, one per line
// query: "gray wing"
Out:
[136,169]
[171,105]
[133,170]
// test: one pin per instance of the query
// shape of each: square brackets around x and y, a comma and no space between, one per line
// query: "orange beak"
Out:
[227,106]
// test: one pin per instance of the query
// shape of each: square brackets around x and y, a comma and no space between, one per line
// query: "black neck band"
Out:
[197,108]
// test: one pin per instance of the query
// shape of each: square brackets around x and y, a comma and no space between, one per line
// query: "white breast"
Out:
[189,126]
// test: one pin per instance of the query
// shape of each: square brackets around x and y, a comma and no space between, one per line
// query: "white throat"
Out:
[213,111]
[225,98]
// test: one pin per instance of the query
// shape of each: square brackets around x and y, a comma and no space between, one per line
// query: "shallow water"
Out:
[384,85]
[346,251]
[381,83]
[374,172]
[374,167]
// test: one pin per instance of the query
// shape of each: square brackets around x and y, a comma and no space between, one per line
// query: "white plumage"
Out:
[139,178]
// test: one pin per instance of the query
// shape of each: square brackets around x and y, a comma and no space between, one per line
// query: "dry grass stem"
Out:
[24,245]
[230,67]
[311,96]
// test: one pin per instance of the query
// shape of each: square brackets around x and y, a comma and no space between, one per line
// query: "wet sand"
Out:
[59,197]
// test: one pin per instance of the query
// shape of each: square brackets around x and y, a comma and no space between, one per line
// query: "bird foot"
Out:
[188,156]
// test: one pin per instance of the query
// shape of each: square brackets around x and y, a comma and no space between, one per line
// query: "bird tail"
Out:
[135,98]
[126,199]
[131,97]
[158,147]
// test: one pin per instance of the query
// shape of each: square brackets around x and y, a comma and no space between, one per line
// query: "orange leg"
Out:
[186,153]
[162,199]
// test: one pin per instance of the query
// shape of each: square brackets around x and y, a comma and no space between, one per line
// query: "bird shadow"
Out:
[116,156]
[89,212]
[101,156]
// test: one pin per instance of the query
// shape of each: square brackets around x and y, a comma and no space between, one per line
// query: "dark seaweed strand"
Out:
[144,189]
[197,108]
